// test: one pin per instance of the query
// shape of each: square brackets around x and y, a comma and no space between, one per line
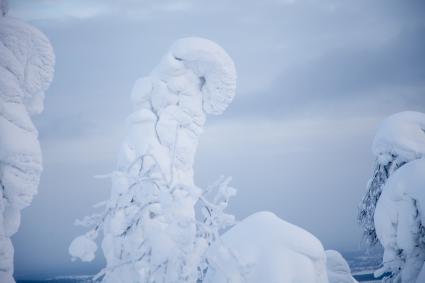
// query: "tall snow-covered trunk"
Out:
[150,229]
[26,69]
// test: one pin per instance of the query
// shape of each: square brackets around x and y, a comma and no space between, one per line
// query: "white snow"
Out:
[338,269]
[399,217]
[83,247]
[26,70]
[401,135]
[265,248]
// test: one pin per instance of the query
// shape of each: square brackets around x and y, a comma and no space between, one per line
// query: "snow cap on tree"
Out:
[28,54]
[401,135]
[213,66]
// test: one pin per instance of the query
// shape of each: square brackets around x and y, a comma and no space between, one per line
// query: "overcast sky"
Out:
[315,78]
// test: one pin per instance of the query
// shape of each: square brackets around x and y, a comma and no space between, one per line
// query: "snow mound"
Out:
[402,135]
[399,220]
[264,248]
[338,268]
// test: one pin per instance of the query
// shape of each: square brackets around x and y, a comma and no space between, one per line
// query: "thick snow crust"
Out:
[26,70]
[399,220]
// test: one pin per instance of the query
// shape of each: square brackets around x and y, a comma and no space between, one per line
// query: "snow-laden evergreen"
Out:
[150,230]
[399,140]
[26,70]
[399,221]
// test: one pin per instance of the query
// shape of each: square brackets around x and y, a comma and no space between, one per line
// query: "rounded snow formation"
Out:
[401,135]
[265,248]
[83,247]
[399,220]
[27,59]
[214,68]
[338,269]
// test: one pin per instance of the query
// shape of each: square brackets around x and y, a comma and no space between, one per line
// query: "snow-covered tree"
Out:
[399,140]
[400,223]
[150,229]
[26,70]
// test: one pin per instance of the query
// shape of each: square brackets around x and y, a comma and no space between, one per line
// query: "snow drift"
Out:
[26,70]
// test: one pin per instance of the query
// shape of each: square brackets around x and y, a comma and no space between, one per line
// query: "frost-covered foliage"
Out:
[399,221]
[399,140]
[338,268]
[151,232]
[264,248]
[26,70]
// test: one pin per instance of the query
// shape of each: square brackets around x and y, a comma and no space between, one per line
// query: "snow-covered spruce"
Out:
[26,70]
[265,248]
[149,226]
[399,140]
[399,221]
